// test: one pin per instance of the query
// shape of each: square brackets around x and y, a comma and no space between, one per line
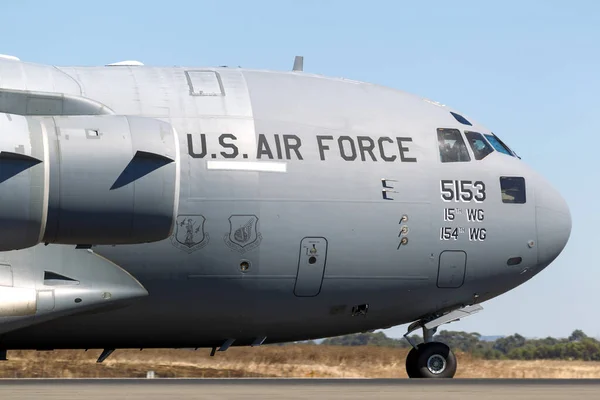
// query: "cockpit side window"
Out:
[513,190]
[499,145]
[481,148]
[452,146]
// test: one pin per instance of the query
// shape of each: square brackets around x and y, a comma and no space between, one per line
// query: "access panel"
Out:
[311,266]
[451,272]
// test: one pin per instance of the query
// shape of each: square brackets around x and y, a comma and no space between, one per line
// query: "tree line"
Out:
[578,346]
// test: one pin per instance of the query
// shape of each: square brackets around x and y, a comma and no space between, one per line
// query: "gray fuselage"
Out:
[308,207]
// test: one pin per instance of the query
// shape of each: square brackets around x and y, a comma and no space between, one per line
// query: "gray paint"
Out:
[384,253]
[451,272]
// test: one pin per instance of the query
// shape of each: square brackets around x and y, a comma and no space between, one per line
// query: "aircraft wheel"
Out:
[433,360]
[411,362]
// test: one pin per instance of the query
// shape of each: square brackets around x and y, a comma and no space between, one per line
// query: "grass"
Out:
[303,361]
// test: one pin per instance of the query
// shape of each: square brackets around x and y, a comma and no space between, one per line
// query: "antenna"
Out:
[298,63]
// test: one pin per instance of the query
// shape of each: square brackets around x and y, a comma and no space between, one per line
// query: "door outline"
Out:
[437,283]
[300,260]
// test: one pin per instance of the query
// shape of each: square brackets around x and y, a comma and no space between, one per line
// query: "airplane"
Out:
[200,207]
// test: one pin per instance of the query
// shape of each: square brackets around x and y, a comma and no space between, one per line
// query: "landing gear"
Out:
[431,360]
[434,359]
[411,363]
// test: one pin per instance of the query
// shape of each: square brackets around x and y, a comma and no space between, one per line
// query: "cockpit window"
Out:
[513,190]
[452,146]
[499,145]
[480,146]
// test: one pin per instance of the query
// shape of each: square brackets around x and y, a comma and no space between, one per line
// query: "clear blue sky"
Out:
[529,70]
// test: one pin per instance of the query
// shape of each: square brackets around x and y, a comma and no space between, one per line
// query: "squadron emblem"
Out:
[189,233]
[243,233]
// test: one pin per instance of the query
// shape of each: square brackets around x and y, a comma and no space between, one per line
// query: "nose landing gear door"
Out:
[311,266]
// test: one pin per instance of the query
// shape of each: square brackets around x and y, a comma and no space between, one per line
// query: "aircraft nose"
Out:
[553,221]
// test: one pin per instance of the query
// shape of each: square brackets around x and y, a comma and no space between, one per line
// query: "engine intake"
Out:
[86,180]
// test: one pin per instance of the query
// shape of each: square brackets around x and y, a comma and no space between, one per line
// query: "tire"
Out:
[435,361]
[411,363]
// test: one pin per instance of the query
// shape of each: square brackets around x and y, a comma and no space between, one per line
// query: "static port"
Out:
[312,260]
[244,266]
[78,300]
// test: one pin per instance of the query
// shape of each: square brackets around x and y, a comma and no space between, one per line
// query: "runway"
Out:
[151,389]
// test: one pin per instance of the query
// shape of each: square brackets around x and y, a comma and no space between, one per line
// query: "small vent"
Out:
[461,119]
[514,261]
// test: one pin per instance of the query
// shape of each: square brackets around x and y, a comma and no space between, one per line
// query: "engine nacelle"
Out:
[86,180]
[55,281]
